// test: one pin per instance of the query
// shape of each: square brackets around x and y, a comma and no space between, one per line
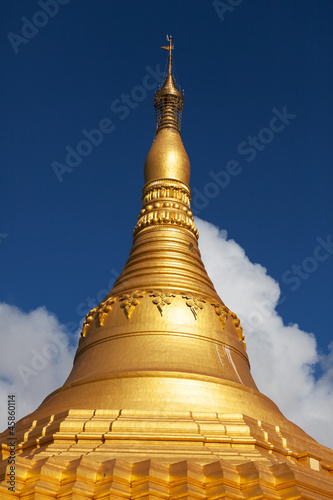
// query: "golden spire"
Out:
[168,100]
[167,157]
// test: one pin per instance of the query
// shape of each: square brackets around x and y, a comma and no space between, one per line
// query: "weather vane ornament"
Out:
[170,48]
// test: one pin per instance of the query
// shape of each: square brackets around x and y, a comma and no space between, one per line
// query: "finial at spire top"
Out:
[167,158]
[168,101]
[170,49]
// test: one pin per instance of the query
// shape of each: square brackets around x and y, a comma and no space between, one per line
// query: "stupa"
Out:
[160,403]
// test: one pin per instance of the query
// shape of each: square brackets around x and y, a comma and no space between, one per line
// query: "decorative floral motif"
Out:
[161,299]
[99,313]
[104,309]
[222,312]
[195,303]
[239,328]
[89,318]
[130,301]
[165,203]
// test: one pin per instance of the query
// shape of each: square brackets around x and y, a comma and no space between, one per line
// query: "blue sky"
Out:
[257,126]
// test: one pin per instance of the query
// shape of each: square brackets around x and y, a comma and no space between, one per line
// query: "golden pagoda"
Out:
[160,403]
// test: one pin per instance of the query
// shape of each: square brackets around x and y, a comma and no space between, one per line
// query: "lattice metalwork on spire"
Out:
[168,100]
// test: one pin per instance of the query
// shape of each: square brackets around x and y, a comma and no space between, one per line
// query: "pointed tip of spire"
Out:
[169,84]
[170,48]
[168,99]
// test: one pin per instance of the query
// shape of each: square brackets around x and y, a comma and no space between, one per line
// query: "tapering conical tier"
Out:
[163,339]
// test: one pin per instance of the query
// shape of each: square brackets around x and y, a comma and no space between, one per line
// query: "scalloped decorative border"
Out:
[161,299]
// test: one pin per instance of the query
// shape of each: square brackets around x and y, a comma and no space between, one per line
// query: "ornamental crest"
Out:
[130,301]
[222,312]
[89,318]
[104,309]
[194,303]
[161,299]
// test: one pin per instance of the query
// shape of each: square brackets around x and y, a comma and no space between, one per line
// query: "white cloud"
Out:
[35,358]
[283,358]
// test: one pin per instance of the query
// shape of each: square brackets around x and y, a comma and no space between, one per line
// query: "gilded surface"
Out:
[104,454]
[104,309]
[222,312]
[167,158]
[194,303]
[166,204]
[162,299]
[129,302]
